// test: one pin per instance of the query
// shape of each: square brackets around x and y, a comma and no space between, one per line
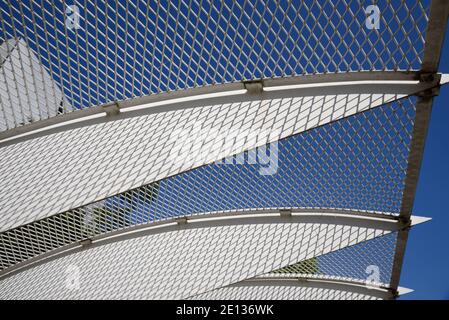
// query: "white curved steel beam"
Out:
[189,258]
[91,71]
[161,145]
[399,84]
[381,224]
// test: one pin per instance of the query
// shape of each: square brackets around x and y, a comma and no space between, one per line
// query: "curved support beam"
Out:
[387,223]
[373,82]
[352,286]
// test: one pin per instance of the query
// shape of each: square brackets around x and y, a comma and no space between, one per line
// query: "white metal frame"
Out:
[357,219]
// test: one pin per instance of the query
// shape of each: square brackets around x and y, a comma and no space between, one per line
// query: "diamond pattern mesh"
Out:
[353,262]
[118,50]
[339,165]
[73,168]
[178,263]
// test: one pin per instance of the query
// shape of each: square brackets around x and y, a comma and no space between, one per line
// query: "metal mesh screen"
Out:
[75,167]
[371,257]
[119,50]
[274,292]
[177,263]
[369,262]
[339,165]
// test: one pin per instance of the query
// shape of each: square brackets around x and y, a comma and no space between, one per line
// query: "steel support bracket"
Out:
[405,223]
[394,293]
[431,79]
[432,92]
[181,221]
[254,87]
[302,279]
[85,242]
[285,213]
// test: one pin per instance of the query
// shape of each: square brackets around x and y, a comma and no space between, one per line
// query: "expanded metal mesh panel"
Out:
[29,95]
[65,170]
[172,176]
[367,263]
[370,260]
[339,165]
[178,263]
[115,50]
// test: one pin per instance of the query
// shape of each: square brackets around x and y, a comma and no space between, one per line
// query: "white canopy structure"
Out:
[212,149]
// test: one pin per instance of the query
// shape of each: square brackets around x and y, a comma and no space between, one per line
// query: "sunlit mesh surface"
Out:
[178,263]
[106,52]
[351,264]
[32,83]
[339,165]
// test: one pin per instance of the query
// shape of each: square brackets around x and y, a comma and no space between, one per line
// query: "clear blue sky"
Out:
[426,264]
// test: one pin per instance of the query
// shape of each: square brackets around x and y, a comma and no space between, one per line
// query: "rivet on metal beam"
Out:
[111,109]
[254,87]
[85,242]
[285,213]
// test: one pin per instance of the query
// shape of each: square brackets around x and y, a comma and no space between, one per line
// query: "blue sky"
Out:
[426,264]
